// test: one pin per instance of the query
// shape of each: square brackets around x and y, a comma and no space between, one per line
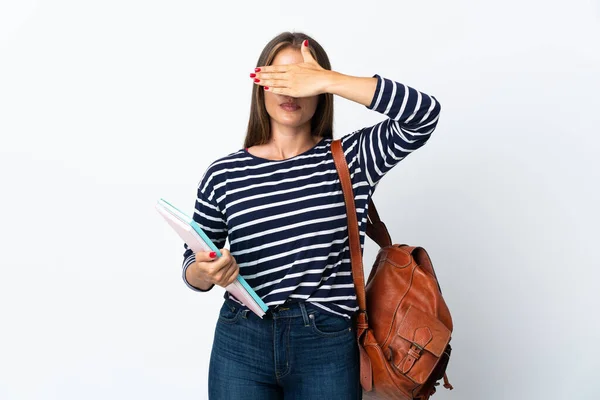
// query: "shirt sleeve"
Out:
[412,117]
[210,218]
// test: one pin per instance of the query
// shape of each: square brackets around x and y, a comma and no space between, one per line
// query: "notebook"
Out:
[196,239]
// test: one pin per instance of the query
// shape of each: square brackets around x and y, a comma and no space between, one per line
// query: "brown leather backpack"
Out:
[403,324]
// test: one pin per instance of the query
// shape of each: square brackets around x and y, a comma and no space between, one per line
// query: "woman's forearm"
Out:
[412,109]
[357,89]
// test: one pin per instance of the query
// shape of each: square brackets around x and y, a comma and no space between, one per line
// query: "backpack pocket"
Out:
[419,344]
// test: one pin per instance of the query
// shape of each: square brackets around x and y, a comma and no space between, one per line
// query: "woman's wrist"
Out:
[354,88]
[334,81]
[193,278]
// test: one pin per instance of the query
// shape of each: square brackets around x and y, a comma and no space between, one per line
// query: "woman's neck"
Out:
[287,142]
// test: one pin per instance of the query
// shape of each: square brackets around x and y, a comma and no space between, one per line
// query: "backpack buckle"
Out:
[419,348]
[412,356]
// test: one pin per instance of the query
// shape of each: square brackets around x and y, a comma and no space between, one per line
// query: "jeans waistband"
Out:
[292,308]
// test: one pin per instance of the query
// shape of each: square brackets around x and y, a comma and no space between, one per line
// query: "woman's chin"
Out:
[290,121]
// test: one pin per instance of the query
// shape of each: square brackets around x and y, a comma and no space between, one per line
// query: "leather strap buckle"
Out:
[415,351]
[419,348]
[413,355]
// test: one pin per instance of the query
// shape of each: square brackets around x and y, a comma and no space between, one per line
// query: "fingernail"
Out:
[306,43]
[266,87]
[212,254]
[256,80]
[256,69]
[252,75]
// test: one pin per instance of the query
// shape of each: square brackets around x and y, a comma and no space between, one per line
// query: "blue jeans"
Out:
[297,352]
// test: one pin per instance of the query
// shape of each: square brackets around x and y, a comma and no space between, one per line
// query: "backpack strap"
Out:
[358,274]
[376,229]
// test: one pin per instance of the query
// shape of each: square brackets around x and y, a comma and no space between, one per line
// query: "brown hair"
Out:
[259,124]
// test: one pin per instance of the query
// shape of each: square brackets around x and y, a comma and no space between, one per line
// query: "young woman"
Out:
[280,203]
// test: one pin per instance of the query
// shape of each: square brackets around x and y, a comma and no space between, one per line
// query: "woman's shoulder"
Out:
[351,140]
[220,166]
[228,159]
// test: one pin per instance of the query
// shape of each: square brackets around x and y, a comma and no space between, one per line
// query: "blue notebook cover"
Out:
[214,248]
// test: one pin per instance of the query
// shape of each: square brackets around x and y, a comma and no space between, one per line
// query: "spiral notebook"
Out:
[196,239]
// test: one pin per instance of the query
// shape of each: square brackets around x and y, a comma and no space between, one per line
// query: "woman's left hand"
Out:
[296,80]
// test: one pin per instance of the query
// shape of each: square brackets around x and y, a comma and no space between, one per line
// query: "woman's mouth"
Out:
[290,106]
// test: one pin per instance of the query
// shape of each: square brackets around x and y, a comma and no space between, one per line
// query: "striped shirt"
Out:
[286,219]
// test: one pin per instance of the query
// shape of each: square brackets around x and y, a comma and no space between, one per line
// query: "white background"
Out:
[106,106]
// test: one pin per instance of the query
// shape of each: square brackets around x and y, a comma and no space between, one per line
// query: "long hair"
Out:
[259,123]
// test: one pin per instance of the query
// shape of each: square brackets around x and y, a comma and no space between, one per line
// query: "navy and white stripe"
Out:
[286,220]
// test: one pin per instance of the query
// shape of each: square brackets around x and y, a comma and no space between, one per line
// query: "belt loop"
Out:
[230,304]
[304,313]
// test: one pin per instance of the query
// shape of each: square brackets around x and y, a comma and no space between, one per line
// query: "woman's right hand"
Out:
[220,271]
